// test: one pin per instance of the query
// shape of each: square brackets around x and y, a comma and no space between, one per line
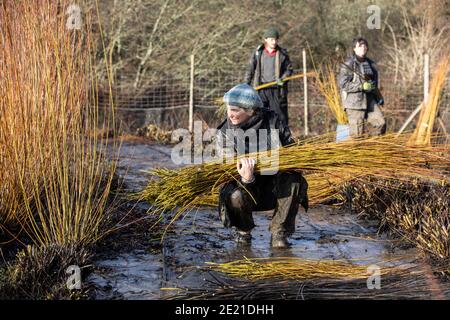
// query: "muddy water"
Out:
[322,233]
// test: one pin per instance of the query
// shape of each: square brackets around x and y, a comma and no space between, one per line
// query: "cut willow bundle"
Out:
[282,282]
[321,188]
[297,269]
[326,165]
[394,287]
[327,85]
[424,129]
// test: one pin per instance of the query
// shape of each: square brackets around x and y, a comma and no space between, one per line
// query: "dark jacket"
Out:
[268,189]
[283,70]
[263,119]
[351,84]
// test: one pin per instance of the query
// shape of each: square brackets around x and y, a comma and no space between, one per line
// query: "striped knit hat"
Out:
[243,96]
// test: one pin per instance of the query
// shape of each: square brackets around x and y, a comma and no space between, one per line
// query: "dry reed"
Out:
[272,279]
[326,165]
[297,269]
[424,129]
[417,213]
[55,179]
[327,85]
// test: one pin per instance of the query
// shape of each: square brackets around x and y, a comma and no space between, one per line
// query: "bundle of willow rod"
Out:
[326,165]
[424,129]
[296,269]
[327,85]
[321,188]
[392,288]
[402,282]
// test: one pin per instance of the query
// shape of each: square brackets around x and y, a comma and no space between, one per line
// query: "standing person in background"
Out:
[358,81]
[269,63]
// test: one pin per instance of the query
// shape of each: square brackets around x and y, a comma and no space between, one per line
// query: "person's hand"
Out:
[368,86]
[280,82]
[246,167]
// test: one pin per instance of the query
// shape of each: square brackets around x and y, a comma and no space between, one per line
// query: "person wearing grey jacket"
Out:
[358,81]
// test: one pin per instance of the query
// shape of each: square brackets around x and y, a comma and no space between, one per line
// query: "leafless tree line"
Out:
[147,40]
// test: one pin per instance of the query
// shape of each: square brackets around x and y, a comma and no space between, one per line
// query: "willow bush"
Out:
[55,179]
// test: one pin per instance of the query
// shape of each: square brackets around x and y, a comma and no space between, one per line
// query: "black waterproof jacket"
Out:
[228,140]
[283,69]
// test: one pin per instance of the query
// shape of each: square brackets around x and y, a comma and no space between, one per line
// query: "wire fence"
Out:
[165,103]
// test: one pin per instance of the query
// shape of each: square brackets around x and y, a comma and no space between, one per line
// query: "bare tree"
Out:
[421,35]
[149,40]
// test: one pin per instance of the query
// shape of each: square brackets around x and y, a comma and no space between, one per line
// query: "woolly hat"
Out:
[271,33]
[243,96]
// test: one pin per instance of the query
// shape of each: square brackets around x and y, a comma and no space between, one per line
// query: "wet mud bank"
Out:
[136,264]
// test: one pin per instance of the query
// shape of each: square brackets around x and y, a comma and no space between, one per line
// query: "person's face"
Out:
[271,42]
[360,49]
[238,115]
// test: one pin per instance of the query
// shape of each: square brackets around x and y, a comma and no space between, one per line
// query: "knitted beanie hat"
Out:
[271,33]
[243,96]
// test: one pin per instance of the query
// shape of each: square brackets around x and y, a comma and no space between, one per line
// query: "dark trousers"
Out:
[275,99]
[282,192]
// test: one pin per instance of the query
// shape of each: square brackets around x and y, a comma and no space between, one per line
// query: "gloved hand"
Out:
[380,102]
[280,82]
[368,86]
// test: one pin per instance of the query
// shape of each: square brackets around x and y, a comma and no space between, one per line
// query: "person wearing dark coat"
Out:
[270,63]
[281,191]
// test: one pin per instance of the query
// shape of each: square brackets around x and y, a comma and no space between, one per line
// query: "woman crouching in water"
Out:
[282,192]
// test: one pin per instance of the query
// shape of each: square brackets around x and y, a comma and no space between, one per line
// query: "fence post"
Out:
[305,91]
[191,97]
[426,76]
[426,89]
